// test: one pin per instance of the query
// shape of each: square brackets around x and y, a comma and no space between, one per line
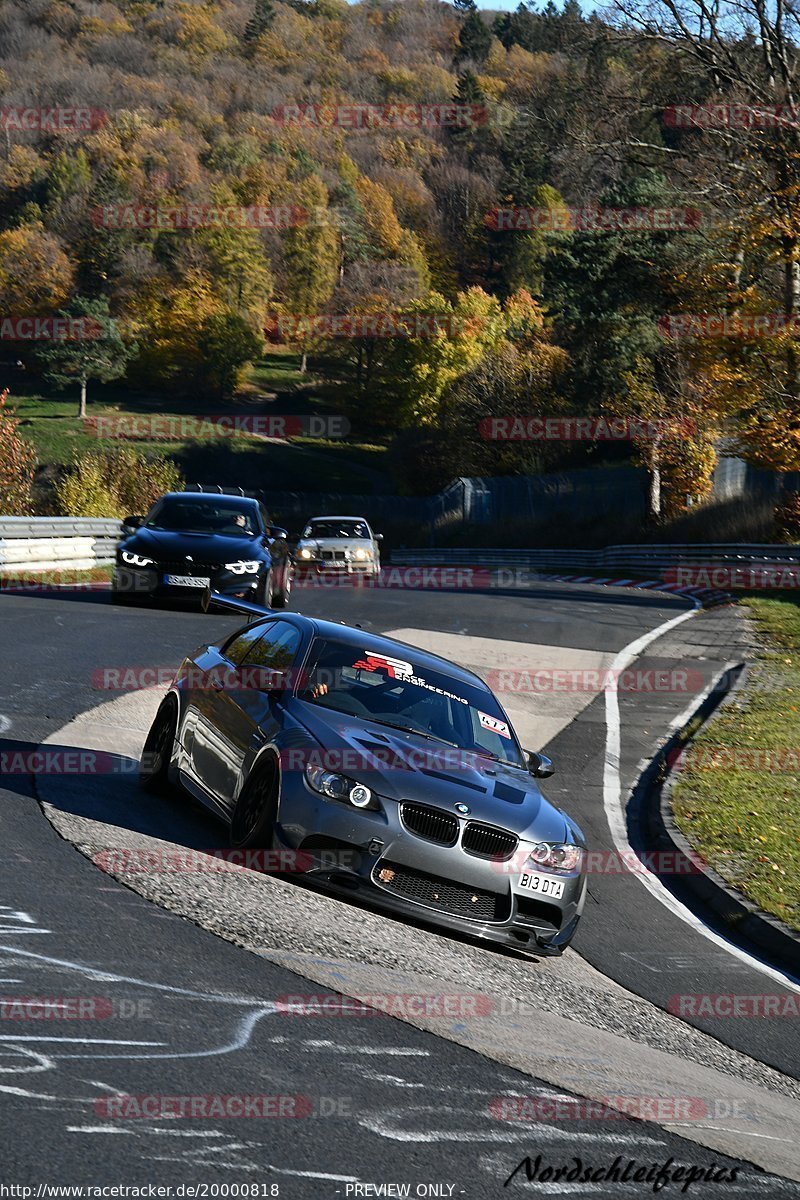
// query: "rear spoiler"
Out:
[215,600]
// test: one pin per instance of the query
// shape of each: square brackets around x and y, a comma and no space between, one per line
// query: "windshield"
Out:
[395,692]
[191,515]
[336,529]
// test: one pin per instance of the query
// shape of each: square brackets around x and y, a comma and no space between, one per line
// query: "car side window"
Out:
[276,649]
[237,649]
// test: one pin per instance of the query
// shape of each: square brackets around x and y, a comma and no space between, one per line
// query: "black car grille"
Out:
[333,555]
[487,841]
[181,567]
[430,823]
[443,895]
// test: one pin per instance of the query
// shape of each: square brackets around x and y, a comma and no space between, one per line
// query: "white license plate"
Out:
[197,581]
[543,885]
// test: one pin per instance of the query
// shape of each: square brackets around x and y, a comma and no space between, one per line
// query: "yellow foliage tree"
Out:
[36,275]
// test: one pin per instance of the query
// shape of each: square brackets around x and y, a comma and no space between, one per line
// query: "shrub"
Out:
[84,491]
[141,479]
[17,464]
[787,519]
[115,483]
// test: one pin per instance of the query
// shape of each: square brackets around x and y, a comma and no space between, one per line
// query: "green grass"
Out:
[737,798]
[275,386]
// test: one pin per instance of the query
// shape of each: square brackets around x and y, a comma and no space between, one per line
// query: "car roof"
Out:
[366,640]
[338,517]
[240,501]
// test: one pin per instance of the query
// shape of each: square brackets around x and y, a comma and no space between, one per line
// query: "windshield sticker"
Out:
[403,672]
[493,725]
[395,668]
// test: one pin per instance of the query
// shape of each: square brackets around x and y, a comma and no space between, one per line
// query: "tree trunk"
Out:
[304,362]
[82,411]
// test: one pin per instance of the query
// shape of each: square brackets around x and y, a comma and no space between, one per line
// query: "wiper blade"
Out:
[419,732]
[506,762]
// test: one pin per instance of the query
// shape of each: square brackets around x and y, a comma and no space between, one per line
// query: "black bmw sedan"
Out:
[190,541]
[389,774]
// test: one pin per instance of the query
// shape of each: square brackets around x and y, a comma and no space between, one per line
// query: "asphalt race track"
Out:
[181,972]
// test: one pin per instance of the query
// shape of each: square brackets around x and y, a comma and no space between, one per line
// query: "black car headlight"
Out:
[339,787]
[562,857]
[136,560]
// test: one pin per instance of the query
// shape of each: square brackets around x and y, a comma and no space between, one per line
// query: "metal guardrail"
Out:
[636,558]
[53,543]
[32,527]
[43,542]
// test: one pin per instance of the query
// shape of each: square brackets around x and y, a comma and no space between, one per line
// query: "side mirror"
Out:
[277,531]
[539,765]
[378,537]
[132,522]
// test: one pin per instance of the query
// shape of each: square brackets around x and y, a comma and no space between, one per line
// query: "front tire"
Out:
[265,594]
[282,597]
[256,810]
[157,749]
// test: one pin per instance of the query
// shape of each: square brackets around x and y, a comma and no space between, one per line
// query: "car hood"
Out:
[428,772]
[204,547]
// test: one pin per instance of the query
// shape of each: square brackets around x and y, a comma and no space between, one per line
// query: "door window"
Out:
[242,643]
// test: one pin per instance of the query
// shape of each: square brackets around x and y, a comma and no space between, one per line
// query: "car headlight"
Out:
[559,856]
[339,787]
[306,553]
[136,560]
[362,554]
[244,567]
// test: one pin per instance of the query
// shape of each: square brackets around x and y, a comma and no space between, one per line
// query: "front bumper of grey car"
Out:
[382,857]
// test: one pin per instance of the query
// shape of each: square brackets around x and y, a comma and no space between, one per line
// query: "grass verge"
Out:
[737,797]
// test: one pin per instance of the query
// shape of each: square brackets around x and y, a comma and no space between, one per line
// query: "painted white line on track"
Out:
[615,815]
